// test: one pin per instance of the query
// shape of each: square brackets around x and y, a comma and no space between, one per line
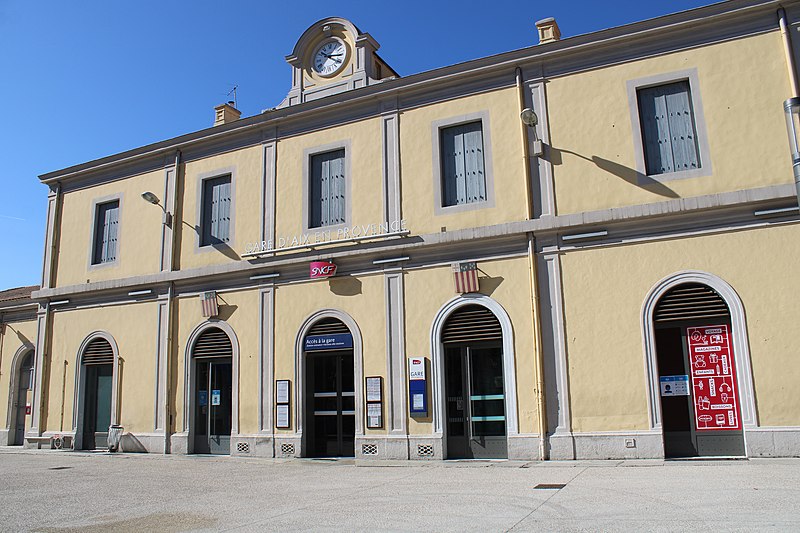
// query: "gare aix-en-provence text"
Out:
[323,236]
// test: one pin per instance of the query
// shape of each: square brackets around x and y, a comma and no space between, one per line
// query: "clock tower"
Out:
[333,56]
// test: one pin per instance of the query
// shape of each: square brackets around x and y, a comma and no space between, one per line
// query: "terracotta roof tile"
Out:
[17,293]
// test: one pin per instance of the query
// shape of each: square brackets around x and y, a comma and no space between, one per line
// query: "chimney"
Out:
[548,30]
[226,113]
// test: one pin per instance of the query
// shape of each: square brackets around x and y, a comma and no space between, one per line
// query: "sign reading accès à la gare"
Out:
[328,342]
[323,236]
[675,385]
[713,370]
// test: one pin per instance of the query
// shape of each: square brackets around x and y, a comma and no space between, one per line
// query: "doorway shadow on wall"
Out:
[345,286]
[630,175]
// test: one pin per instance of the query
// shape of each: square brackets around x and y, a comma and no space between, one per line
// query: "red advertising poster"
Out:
[716,404]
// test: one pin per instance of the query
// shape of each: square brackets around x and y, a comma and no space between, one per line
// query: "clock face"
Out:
[329,58]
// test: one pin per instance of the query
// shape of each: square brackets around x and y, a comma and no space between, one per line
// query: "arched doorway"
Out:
[474,384]
[329,390]
[701,412]
[22,389]
[212,394]
[96,391]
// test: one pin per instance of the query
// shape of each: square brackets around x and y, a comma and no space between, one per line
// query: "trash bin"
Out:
[114,436]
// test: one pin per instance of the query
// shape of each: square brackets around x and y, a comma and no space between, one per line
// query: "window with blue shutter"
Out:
[668,127]
[463,172]
[216,218]
[106,227]
[327,189]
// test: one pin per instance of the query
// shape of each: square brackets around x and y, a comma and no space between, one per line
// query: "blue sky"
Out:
[82,80]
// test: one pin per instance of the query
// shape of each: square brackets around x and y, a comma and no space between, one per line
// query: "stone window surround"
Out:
[691,76]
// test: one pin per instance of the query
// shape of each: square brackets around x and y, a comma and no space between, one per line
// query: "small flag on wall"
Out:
[209,301]
[466,277]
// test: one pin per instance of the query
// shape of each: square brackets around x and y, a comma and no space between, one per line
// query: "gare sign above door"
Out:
[322,269]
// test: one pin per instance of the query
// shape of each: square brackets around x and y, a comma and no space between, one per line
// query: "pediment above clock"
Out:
[333,56]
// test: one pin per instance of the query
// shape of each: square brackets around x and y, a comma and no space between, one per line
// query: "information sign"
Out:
[713,370]
[202,398]
[675,385]
[374,412]
[282,391]
[216,397]
[282,416]
[374,389]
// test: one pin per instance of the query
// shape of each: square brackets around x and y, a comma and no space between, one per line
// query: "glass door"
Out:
[330,405]
[212,430]
[474,389]
[97,406]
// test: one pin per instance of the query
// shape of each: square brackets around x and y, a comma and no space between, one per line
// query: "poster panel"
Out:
[711,359]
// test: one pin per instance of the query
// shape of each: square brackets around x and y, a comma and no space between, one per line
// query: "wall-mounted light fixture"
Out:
[153,199]
[791,109]
[529,118]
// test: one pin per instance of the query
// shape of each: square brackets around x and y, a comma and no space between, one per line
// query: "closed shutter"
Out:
[328,326]
[472,323]
[106,229]
[463,173]
[327,189]
[216,210]
[98,352]
[213,342]
[668,129]
[690,301]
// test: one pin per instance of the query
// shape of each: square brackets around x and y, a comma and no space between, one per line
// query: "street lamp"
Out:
[529,118]
[153,199]
[791,108]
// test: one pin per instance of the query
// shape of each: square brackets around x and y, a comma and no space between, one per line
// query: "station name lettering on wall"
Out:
[358,231]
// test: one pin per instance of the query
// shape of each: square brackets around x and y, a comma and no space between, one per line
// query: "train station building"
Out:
[582,249]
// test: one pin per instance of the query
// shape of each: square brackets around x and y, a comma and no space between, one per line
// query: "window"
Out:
[106,226]
[327,189]
[463,173]
[216,211]
[669,140]
[462,163]
[668,129]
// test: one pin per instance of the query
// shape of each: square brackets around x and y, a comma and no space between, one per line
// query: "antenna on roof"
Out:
[233,91]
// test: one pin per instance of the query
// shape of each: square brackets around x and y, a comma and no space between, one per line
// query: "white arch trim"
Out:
[189,373]
[509,367]
[80,385]
[13,386]
[741,345]
[300,367]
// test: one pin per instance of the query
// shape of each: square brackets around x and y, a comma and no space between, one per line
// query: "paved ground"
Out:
[54,491]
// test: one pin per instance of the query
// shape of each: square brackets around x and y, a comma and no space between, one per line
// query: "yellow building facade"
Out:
[403,268]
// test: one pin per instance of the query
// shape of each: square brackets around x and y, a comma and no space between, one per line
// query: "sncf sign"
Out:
[322,269]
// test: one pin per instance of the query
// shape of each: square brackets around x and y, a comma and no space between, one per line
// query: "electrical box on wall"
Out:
[417,387]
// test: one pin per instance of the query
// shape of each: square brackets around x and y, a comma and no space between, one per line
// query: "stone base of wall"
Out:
[523,447]
[252,446]
[382,447]
[607,445]
[3,437]
[288,445]
[143,443]
[773,442]
[425,448]
[179,443]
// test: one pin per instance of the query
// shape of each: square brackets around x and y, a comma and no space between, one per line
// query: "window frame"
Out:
[308,153]
[436,141]
[96,203]
[201,183]
[633,87]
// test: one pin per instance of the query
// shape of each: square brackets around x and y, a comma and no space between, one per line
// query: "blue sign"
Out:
[202,398]
[329,342]
[418,397]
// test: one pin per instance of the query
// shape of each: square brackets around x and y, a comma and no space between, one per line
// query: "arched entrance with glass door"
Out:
[329,402]
[211,380]
[96,390]
[700,382]
[21,391]
[474,384]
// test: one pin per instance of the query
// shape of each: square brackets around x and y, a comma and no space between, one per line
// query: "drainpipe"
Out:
[534,280]
[787,49]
